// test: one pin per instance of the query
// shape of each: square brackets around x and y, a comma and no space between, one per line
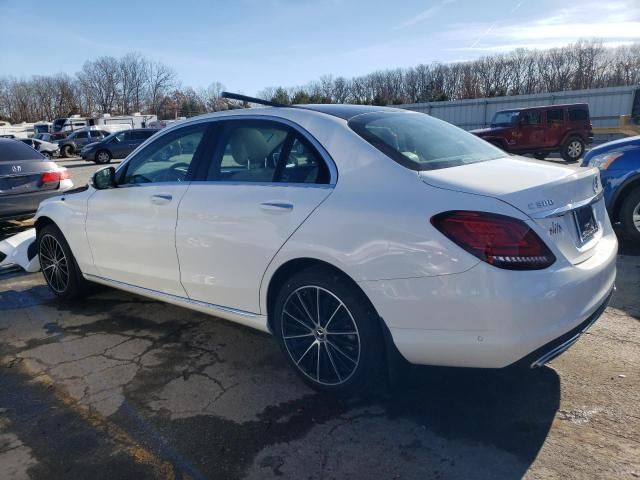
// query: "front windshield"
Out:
[504,119]
[420,142]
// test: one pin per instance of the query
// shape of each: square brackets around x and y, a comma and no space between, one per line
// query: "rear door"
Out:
[131,228]
[556,126]
[531,130]
[262,180]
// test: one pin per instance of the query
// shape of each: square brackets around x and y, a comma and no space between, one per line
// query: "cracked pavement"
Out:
[118,386]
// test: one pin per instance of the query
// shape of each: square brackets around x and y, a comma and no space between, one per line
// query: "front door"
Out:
[263,181]
[131,228]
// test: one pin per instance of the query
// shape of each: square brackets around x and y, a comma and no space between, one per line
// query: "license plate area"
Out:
[586,223]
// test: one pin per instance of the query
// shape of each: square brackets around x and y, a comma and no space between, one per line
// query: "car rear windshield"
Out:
[14,150]
[420,142]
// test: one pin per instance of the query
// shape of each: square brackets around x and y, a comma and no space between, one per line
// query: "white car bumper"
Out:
[490,318]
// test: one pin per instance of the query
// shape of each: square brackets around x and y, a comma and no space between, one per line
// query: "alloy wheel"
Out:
[320,335]
[636,217]
[574,149]
[103,157]
[54,263]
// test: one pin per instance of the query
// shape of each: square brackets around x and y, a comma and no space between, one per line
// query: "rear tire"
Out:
[59,266]
[67,151]
[572,149]
[103,156]
[630,215]
[329,332]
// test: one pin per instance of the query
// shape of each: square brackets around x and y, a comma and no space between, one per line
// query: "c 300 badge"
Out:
[540,204]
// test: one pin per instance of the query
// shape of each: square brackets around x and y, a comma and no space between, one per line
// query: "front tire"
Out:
[58,264]
[630,215]
[329,332]
[46,155]
[572,149]
[103,156]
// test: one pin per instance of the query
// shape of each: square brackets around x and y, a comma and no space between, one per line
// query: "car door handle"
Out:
[161,198]
[276,207]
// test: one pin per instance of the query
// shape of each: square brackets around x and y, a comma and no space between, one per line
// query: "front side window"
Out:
[531,118]
[167,159]
[264,152]
[421,142]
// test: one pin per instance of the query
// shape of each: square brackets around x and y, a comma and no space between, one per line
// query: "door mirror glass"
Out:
[104,178]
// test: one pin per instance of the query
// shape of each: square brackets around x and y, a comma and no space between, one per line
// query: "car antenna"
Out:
[245,98]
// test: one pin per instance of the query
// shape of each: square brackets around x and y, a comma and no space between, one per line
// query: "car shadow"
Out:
[511,409]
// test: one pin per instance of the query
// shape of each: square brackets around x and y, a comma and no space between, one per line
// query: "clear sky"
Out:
[249,44]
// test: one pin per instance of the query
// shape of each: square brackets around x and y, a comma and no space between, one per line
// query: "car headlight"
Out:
[604,160]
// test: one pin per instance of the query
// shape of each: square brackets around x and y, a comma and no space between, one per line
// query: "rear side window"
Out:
[265,152]
[420,142]
[82,135]
[14,150]
[555,116]
[578,114]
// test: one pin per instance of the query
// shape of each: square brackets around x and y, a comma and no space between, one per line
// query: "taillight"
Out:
[55,176]
[501,241]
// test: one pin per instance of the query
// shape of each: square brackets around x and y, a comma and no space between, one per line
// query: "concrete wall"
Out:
[605,105]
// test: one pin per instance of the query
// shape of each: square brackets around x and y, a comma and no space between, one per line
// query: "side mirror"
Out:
[104,178]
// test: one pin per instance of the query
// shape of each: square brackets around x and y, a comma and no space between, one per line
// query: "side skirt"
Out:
[249,319]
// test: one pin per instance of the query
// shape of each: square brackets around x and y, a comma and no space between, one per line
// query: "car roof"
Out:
[346,111]
[560,105]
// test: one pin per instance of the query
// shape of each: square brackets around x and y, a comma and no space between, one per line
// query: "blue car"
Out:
[619,164]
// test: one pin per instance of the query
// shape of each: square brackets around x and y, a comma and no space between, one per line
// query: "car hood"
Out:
[90,145]
[482,132]
[623,143]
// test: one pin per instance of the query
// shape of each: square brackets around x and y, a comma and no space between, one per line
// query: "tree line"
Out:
[134,83]
[585,64]
[118,86]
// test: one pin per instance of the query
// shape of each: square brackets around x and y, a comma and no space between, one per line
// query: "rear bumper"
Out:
[491,318]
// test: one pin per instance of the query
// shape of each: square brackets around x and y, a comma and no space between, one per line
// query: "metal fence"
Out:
[605,105]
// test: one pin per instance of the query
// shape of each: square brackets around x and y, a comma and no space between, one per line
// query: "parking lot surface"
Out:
[118,386]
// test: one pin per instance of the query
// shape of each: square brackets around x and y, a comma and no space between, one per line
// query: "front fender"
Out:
[69,212]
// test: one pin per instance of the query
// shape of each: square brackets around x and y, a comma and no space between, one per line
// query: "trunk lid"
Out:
[25,176]
[551,195]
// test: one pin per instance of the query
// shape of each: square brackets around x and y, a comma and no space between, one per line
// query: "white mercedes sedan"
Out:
[353,234]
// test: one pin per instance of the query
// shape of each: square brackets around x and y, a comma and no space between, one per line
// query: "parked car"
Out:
[619,164]
[541,130]
[75,141]
[47,149]
[349,232]
[116,145]
[27,178]
[45,137]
